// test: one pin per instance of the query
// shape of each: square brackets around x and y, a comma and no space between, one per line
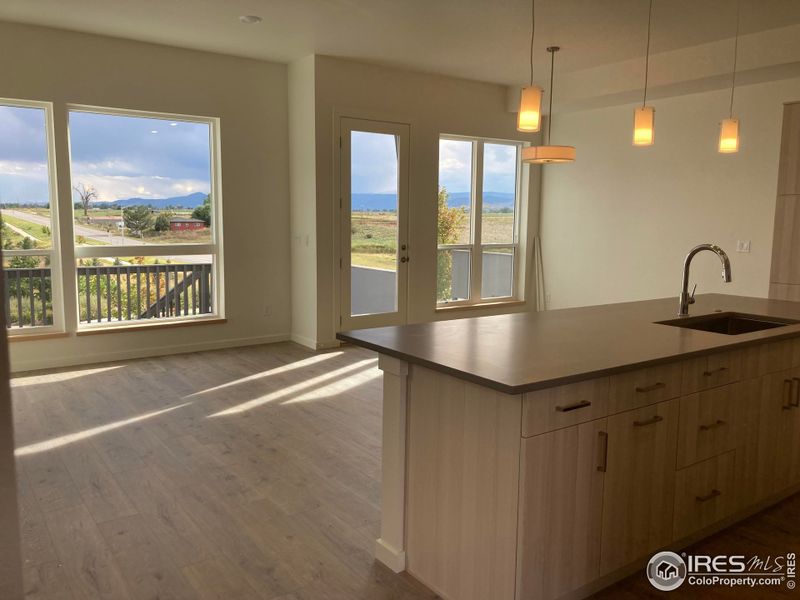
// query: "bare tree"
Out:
[87,195]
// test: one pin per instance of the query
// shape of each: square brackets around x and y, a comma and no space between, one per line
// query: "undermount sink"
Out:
[729,323]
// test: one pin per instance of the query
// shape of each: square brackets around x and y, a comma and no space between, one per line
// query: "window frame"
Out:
[214,248]
[54,251]
[476,247]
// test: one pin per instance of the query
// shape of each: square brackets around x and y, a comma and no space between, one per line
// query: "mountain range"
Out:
[189,201]
[491,201]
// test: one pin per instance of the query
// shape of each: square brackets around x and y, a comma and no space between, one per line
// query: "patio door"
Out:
[374,223]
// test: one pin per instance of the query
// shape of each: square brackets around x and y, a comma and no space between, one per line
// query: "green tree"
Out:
[138,219]
[203,212]
[450,221]
[161,223]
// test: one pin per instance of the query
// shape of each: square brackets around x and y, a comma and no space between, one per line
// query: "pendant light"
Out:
[529,118]
[729,128]
[644,116]
[549,153]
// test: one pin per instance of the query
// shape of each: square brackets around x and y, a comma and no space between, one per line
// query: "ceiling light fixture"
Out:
[250,19]
[729,128]
[549,154]
[644,116]
[529,118]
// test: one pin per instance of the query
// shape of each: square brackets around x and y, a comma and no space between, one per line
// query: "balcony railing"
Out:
[112,293]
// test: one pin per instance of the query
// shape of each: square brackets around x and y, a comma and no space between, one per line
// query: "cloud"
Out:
[455,165]
[373,163]
[23,155]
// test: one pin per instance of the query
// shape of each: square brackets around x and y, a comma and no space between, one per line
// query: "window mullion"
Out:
[476,264]
[63,258]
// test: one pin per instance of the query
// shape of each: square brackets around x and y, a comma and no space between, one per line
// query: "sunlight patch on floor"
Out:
[71,438]
[335,388]
[23,380]
[361,365]
[287,368]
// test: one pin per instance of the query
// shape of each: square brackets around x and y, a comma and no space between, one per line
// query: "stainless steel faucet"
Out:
[685,298]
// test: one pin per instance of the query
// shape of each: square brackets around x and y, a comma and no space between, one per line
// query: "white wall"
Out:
[617,223]
[250,97]
[432,105]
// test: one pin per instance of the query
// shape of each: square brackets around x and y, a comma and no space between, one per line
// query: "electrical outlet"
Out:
[743,246]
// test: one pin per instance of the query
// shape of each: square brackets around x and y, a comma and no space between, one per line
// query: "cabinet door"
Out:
[639,486]
[561,497]
[777,425]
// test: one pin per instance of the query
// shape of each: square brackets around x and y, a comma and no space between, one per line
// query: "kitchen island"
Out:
[546,455]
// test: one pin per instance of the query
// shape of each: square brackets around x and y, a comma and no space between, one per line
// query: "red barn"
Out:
[183,224]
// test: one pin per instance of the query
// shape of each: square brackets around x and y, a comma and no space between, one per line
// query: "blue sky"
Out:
[122,157]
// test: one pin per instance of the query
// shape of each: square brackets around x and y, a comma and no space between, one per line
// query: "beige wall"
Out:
[618,222]
[432,105]
[250,97]
[302,140]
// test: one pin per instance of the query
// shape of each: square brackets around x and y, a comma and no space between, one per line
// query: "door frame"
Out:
[345,122]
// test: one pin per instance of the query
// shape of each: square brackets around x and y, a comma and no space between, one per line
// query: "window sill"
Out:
[481,305]
[98,330]
[32,337]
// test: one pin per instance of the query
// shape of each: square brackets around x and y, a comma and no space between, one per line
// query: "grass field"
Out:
[42,235]
[373,236]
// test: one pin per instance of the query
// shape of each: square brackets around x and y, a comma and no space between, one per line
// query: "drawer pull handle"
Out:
[717,423]
[709,496]
[651,421]
[788,386]
[576,406]
[714,371]
[602,445]
[651,388]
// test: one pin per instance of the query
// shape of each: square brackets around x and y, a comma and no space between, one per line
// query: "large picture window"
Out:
[477,221]
[29,229]
[145,216]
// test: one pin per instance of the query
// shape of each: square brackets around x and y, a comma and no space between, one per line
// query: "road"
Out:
[97,236]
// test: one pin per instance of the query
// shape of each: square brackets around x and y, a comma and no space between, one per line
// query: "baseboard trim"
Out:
[390,556]
[312,343]
[24,366]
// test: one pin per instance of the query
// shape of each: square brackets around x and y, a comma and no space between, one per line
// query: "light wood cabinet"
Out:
[563,406]
[704,494]
[789,166]
[709,423]
[785,274]
[561,505]
[639,483]
[712,370]
[644,386]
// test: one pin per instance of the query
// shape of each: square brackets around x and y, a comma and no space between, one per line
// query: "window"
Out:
[478,229]
[145,204]
[29,229]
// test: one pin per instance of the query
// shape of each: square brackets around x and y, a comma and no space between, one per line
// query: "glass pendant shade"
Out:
[539,155]
[729,136]
[643,126]
[529,118]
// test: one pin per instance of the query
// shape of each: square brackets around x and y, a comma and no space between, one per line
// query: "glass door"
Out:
[374,197]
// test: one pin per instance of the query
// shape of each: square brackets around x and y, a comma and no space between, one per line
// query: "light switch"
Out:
[743,246]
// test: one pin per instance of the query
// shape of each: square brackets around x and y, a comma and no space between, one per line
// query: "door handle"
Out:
[788,384]
[796,402]
[651,421]
[602,450]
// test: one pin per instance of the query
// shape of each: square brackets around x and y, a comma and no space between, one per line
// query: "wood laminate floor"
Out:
[233,475]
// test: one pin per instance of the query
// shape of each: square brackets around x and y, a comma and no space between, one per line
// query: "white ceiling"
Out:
[477,39]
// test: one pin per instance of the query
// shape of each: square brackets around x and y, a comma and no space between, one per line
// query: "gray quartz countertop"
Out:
[522,352]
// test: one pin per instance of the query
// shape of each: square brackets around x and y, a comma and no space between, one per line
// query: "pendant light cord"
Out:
[552,52]
[647,54]
[533,28]
[735,53]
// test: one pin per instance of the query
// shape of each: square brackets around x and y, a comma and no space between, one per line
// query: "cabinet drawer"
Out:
[768,358]
[644,386]
[710,371]
[709,423]
[704,494]
[554,408]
